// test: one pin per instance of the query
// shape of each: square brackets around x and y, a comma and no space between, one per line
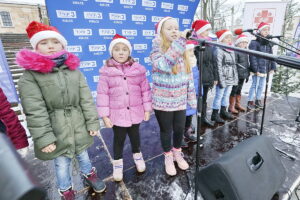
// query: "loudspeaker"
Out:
[15,181]
[250,171]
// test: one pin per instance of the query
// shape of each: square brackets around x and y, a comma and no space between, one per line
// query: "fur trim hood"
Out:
[34,61]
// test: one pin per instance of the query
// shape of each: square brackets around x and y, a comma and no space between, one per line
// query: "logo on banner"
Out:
[66,14]
[117,17]
[83,33]
[97,49]
[88,64]
[186,22]
[167,6]
[156,18]
[140,48]
[128,2]
[138,18]
[74,48]
[148,34]
[93,17]
[128,33]
[106,32]
[182,9]
[263,15]
[149,4]
[105,3]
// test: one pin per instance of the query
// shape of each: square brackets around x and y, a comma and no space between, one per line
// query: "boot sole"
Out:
[100,191]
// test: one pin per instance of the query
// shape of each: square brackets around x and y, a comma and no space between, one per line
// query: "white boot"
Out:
[139,162]
[118,169]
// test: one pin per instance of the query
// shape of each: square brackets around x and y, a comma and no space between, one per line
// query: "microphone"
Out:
[274,36]
[240,31]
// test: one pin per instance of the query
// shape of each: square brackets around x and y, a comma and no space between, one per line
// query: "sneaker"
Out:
[169,164]
[178,157]
[139,162]
[93,181]
[68,194]
[118,169]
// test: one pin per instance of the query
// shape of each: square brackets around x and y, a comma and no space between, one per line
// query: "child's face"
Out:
[227,40]
[49,46]
[265,31]
[120,53]
[170,29]
[205,33]
[243,45]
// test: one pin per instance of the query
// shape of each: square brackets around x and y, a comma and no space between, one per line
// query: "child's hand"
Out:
[93,133]
[215,82]
[50,148]
[147,116]
[107,122]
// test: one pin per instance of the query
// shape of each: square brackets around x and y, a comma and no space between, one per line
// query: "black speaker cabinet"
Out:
[250,171]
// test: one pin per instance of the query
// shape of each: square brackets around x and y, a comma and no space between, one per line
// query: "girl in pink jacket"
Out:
[123,101]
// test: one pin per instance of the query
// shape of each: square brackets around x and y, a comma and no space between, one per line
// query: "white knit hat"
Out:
[160,23]
[119,39]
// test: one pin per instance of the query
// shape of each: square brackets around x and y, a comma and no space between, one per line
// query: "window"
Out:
[6,19]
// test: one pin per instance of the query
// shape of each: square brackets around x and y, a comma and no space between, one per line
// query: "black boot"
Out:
[224,114]
[216,117]
[258,104]
[205,121]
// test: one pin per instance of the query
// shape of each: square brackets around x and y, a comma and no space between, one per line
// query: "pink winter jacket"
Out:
[123,93]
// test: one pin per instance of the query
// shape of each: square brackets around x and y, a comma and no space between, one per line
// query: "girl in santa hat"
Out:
[228,77]
[173,88]
[60,111]
[202,29]
[242,64]
[259,66]
[123,101]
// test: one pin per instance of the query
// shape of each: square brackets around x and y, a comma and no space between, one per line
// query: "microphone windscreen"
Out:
[238,31]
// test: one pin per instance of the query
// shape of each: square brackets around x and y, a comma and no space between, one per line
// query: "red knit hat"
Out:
[222,34]
[37,31]
[190,44]
[119,39]
[262,25]
[159,24]
[241,38]
[200,26]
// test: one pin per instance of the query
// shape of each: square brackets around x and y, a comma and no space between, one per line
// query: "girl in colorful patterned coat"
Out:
[173,88]
[123,101]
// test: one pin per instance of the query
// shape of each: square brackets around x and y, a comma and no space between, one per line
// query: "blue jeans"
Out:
[257,87]
[62,169]
[221,97]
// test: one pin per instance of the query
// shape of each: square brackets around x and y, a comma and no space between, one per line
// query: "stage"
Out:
[155,184]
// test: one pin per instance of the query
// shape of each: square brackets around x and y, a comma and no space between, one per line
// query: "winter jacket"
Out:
[227,72]
[258,64]
[171,92]
[242,65]
[58,104]
[192,111]
[13,128]
[209,71]
[123,93]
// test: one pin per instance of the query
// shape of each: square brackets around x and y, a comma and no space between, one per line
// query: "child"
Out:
[173,88]
[242,63]
[12,126]
[59,108]
[259,66]
[123,101]
[228,77]
[209,72]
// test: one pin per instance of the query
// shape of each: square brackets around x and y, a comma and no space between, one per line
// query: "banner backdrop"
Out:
[89,26]
[6,82]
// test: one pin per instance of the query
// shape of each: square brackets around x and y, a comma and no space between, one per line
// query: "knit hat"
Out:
[262,25]
[119,39]
[37,31]
[241,38]
[159,24]
[200,26]
[222,34]
[190,44]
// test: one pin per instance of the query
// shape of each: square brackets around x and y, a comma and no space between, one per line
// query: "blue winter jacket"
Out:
[258,64]
[190,111]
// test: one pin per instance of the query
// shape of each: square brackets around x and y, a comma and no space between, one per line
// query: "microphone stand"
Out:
[298,117]
[201,49]
[289,45]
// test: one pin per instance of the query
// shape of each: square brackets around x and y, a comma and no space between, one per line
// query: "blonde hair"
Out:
[165,45]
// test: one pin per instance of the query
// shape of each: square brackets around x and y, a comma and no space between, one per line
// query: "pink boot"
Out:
[178,157]
[68,194]
[169,164]
[139,162]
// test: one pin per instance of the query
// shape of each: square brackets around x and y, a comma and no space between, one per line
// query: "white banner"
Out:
[269,12]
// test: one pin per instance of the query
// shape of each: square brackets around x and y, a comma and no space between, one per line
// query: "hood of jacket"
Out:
[34,61]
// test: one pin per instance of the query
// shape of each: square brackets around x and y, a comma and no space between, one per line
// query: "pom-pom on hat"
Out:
[223,33]
[200,26]
[241,38]
[262,25]
[119,39]
[190,44]
[37,31]
[159,24]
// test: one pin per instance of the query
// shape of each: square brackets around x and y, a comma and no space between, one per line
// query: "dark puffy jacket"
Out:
[242,65]
[209,71]
[258,64]
[12,126]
